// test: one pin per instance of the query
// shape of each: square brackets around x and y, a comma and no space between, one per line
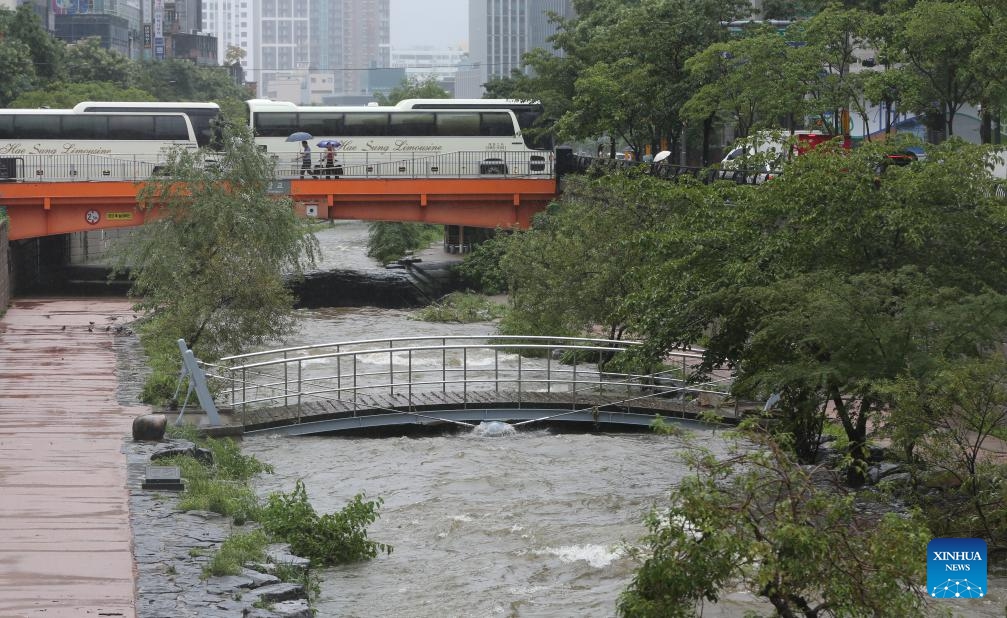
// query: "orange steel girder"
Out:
[43,209]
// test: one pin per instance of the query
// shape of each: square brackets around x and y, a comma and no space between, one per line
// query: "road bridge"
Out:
[507,195]
[455,382]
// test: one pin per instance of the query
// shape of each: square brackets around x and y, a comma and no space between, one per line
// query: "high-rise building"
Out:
[426,62]
[115,22]
[500,33]
[303,50]
[234,24]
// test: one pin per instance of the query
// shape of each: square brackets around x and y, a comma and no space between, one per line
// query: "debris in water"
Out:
[494,429]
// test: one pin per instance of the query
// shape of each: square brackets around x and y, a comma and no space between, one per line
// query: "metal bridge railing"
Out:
[406,368]
[464,164]
[138,168]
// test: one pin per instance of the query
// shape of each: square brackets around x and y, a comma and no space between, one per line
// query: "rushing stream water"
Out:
[529,524]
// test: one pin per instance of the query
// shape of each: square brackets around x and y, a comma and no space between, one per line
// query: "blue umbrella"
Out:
[325,143]
[300,136]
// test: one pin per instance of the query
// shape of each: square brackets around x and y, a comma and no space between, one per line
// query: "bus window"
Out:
[171,128]
[495,124]
[462,124]
[275,124]
[366,125]
[320,123]
[85,126]
[36,126]
[131,127]
[412,124]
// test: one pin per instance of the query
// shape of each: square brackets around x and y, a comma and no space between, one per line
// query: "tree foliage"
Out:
[572,270]
[948,424]
[831,282]
[760,520]
[87,61]
[388,241]
[328,539]
[936,42]
[413,88]
[66,95]
[211,267]
[46,51]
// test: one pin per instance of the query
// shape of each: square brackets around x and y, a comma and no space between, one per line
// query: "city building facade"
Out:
[500,33]
[440,63]
[303,50]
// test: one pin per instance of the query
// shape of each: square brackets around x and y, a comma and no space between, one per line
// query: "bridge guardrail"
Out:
[410,367]
[138,168]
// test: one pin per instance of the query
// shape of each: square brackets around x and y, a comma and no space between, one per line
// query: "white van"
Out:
[758,156]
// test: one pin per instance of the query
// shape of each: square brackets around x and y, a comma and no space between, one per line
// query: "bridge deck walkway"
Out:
[374,410]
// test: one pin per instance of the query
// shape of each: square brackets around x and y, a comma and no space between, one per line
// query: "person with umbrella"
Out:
[305,158]
[329,158]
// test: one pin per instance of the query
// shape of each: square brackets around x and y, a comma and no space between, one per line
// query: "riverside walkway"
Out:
[65,538]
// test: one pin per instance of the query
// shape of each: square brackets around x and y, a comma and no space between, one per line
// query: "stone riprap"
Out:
[171,548]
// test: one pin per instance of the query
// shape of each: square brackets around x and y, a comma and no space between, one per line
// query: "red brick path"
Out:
[65,540]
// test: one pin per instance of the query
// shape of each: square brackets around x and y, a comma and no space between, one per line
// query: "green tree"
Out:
[25,26]
[824,64]
[831,283]
[66,95]
[234,54]
[749,80]
[87,61]
[211,267]
[936,43]
[572,270]
[761,520]
[947,424]
[17,73]
[388,241]
[622,69]
[181,80]
[413,88]
[328,539]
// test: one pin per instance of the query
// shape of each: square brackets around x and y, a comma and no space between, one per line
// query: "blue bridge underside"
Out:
[472,416]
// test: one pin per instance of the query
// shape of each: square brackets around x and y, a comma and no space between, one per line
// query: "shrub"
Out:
[334,538]
[463,308]
[235,552]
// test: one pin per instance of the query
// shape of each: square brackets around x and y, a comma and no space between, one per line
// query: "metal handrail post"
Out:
[444,365]
[244,389]
[286,381]
[465,376]
[410,378]
[339,375]
[601,383]
[519,385]
[548,371]
[230,371]
[575,389]
[391,368]
[300,388]
[496,370]
[354,384]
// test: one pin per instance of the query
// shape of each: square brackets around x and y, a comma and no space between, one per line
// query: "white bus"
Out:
[526,112]
[203,116]
[65,145]
[391,141]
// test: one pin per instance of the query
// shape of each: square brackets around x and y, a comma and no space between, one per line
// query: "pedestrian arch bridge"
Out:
[458,381]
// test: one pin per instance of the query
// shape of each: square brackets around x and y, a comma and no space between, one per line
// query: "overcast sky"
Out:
[437,23]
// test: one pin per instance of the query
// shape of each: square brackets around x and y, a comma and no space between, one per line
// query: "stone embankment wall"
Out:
[5,270]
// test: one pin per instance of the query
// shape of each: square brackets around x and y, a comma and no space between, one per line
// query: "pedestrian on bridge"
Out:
[305,158]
